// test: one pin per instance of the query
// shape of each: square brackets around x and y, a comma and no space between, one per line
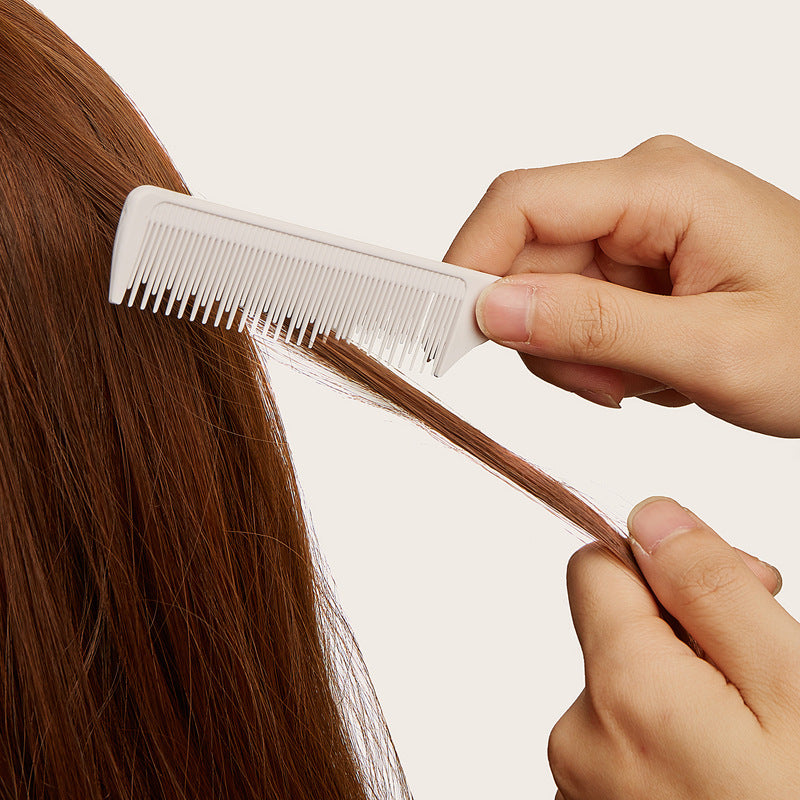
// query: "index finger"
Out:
[563,205]
[638,208]
[632,659]
[612,609]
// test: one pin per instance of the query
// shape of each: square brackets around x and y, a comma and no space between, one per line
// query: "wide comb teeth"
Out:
[174,249]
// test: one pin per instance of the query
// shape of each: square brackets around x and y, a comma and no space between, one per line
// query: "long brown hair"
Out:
[164,630]
[164,627]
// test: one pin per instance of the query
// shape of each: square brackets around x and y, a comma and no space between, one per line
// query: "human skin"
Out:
[666,274]
[670,275]
[655,721]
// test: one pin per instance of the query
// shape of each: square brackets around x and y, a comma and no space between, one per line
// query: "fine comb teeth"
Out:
[404,310]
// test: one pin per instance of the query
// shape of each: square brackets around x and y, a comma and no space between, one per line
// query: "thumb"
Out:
[707,586]
[575,318]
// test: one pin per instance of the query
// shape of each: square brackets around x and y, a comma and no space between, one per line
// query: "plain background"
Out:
[385,123]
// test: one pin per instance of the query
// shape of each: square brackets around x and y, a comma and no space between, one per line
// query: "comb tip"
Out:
[462,339]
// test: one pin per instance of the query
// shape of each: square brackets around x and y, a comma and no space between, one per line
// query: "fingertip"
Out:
[769,576]
[599,398]
[778,576]
[606,601]
[657,518]
[504,311]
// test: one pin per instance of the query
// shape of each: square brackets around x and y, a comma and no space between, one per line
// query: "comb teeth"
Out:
[177,251]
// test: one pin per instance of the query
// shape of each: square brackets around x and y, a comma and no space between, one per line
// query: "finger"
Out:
[770,578]
[668,398]
[586,258]
[553,258]
[638,207]
[601,385]
[706,585]
[607,602]
[516,211]
[613,611]
[645,279]
[676,341]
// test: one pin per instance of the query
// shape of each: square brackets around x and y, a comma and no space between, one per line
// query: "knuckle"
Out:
[582,562]
[672,161]
[509,187]
[562,753]
[595,326]
[579,749]
[664,141]
[506,182]
[707,580]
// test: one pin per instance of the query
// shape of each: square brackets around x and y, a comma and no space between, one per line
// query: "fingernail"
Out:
[505,311]
[776,573]
[656,519]
[778,576]
[759,568]
[601,398]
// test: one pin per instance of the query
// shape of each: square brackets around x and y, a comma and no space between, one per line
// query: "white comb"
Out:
[404,310]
